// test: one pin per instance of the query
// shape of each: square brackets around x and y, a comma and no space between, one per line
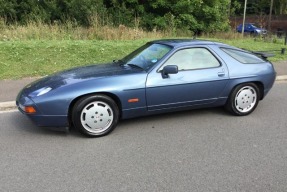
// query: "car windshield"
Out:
[254,25]
[146,56]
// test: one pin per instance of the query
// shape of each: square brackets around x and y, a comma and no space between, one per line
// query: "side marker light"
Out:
[133,100]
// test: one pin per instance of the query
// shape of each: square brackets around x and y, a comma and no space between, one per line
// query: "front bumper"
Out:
[40,119]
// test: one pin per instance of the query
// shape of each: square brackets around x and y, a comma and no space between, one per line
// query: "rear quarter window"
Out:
[242,56]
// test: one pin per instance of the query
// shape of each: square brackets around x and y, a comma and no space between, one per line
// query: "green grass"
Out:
[19,59]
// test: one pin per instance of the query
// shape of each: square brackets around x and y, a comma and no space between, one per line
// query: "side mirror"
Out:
[169,69]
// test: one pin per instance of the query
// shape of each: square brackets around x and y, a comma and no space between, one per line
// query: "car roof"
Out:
[185,42]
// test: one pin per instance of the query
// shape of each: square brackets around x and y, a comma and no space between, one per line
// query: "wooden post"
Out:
[270,15]
[243,23]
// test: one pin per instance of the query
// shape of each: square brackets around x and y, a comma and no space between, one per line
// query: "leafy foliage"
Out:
[189,15]
[261,6]
[195,16]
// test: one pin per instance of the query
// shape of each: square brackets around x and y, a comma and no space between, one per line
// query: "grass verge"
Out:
[19,59]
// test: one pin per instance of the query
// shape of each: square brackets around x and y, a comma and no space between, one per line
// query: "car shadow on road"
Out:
[181,114]
[173,118]
[24,124]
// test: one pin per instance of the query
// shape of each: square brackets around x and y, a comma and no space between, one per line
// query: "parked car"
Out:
[161,76]
[252,29]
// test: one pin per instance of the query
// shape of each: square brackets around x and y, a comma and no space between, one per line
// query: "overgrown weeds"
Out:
[223,35]
[71,31]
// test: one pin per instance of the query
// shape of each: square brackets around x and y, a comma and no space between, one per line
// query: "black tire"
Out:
[243,99]
[95,115]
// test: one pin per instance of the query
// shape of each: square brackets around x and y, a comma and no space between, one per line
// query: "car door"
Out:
[246,28]
[200,79]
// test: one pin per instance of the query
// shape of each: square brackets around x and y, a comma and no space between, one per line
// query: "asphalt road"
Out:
[200,150]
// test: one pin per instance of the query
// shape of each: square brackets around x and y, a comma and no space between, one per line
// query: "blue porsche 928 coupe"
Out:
[161,76]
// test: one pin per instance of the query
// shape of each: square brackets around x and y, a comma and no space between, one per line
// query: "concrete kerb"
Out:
[11,105]
[281,78]
[8,106]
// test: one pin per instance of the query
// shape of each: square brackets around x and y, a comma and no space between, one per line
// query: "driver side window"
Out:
[193,58]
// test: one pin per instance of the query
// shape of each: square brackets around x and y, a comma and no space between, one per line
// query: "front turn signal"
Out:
[30,109]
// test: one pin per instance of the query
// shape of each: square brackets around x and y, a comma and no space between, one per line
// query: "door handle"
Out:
[221,74]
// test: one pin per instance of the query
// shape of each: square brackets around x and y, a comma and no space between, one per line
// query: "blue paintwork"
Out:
[184,90]
[251,28]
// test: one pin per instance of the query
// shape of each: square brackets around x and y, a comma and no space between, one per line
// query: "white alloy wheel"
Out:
[245,99]
[97,117]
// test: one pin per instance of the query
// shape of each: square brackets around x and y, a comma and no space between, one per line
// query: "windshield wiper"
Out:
[135,66]
[120,62]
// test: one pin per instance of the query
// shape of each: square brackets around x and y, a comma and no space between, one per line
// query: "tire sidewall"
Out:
[83,102]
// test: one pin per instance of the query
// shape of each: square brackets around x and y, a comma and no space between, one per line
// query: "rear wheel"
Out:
[95,115]
[243,100]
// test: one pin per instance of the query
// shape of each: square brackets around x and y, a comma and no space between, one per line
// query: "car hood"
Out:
[80,74]
[258,28]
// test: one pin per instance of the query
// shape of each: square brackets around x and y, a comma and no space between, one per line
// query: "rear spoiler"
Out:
[263,54]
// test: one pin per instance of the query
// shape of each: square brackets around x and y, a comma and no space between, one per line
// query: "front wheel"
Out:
[95,115]
[243,100]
